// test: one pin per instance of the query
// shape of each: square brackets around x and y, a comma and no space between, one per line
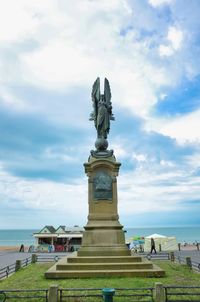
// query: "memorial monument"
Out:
[103,251]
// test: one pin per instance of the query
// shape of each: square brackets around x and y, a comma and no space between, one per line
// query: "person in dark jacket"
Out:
[153,246]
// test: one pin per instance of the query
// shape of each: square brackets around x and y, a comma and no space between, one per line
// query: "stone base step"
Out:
[114,259]
[52,273]
[104,266]
[103,252]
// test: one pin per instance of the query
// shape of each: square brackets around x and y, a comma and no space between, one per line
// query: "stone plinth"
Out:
[103,251]
[104,235]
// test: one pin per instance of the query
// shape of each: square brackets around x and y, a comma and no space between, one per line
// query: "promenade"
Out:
[193,254]
[8,258]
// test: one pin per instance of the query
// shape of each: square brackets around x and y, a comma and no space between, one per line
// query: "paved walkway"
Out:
[194,255]
[8,258]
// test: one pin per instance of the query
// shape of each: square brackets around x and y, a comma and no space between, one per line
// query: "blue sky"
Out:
[51,52]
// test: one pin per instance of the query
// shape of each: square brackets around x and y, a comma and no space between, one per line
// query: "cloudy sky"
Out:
[51,52]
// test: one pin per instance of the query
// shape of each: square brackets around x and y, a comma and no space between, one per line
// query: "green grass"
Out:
[32,277]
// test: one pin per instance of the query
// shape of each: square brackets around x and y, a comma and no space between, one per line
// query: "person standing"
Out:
[153,246]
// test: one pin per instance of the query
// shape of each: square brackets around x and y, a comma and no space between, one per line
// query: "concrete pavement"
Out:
[8,258]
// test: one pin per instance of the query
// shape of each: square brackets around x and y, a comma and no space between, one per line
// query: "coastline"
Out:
[188,247]
[11,248]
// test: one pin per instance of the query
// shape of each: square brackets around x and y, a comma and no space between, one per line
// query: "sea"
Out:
[187,234]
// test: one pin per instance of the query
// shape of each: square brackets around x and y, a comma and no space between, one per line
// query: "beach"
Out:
[11,248]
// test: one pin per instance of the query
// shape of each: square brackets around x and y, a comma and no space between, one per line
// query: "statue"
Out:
[102,113]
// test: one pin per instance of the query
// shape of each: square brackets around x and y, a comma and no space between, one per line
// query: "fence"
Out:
[10,269]
[24,295]
[158,293]
[182,293]
[97,294]
[49,258]
[187,261]
[158,256]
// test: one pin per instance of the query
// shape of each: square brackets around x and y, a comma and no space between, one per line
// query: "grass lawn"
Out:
[32,277]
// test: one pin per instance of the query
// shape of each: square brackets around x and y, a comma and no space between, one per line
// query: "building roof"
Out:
[60,229]
[74,229]
[49,228]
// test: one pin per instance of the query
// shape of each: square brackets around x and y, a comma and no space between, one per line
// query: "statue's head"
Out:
[102,100]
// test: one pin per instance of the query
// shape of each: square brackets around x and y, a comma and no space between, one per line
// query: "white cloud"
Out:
[175,38]
[62,46]
[165,50]
[140,191]
[70,54]
[9,99]
[45,194]
[139,157]
[166,163]
[183,128]
[194,161]
[155,190]
[59,65]
[16,22]
[157,3]
[120,151]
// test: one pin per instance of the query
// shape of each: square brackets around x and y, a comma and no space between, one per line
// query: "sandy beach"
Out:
[11,248]
[189,247]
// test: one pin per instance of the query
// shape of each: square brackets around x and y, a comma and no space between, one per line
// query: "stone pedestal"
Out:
[104,235]
[103,252]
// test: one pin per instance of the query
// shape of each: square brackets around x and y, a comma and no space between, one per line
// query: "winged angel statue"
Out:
[102,109]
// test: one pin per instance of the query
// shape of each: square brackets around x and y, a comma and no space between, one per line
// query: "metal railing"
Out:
[157,256]
[182,293]
[95,294]
[49,258]
[80,293]
[6,271]
[24,295]
[144,294]
[10,269]
[191,264]
[26,262]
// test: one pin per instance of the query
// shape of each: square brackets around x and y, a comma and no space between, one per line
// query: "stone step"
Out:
[58,274]
[103,251]
[114,259]
[104,266]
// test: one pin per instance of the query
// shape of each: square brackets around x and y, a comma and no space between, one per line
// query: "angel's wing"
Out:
[107,96]
[95,98]
[107,92]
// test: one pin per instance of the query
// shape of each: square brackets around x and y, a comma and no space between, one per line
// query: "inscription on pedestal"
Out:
[102,186]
